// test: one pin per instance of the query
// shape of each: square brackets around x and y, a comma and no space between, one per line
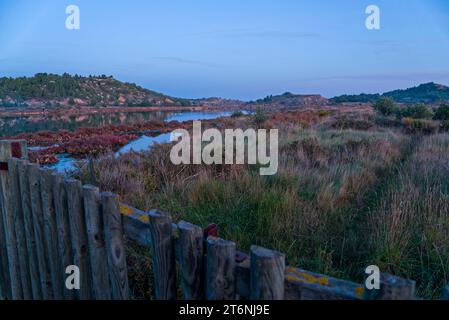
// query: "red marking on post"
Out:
[16,151]
[211,231]
[3,166]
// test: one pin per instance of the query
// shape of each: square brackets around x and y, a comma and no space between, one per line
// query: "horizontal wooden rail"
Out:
[299,284]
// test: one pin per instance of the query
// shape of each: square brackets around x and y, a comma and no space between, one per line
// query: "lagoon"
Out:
[143,143]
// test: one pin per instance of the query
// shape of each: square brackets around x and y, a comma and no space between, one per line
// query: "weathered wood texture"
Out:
[163,255]
[191,260]
[135,224]
[267,274]
[220,269]
[36,286]
[115,247]
[392,288]
[38,229]
[10,286]
[8,212]
[299,284]
[97,249]
[5,285]
[78,235]
[19,223]
[63,230]
[305,285]
[50,232]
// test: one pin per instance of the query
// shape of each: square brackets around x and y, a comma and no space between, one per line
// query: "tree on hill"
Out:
[362,98]
[99,90]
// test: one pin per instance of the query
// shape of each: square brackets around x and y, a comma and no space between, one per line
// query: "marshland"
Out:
[356,186]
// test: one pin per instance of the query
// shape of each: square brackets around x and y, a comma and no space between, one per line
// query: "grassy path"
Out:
[356,252]
[402,223]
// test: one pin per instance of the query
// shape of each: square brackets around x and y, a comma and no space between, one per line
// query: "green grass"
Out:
[342,200]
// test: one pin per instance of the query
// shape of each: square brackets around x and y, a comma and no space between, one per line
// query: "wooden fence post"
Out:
[8,194]
[113,233]
[5,283]
[267,274]
[50,234]
[36,286]
[95,237]
[220,269]
[5,279]
[78,234]
[38,227]
[191,260]
[17,211]
[163,254]
[63,228]
[392,288]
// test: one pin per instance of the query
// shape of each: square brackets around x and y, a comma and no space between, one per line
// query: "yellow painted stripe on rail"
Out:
[295,275]
[130,211]
[126,210]
[145,219]
[359,292]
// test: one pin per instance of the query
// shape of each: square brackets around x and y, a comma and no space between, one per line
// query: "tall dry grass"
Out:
[409,227]
[310,209]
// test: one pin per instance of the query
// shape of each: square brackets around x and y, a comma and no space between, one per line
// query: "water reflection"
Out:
[144,143]
[11,126]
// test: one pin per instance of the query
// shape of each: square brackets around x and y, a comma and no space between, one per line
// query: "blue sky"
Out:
[232,48]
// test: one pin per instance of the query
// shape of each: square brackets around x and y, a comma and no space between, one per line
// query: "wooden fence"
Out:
[48,222]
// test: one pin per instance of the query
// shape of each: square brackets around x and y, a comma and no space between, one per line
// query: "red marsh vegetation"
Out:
[94,141]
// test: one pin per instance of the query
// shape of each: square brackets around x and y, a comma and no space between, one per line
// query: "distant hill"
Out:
[425,93]
[288,99]
[363,98]
[51,90]
[431,93]
[217,102]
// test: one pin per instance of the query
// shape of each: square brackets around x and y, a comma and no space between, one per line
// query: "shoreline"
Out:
[30,112]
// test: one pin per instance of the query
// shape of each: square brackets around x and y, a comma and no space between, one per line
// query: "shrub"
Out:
[420,126]
[259,117]
[442,113]
[419,111]
[344,123]
[385,106]
[388,122]
[237,114]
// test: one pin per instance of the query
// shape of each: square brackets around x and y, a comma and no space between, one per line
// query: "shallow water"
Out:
[192,116]
[65,164]
[144,143]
